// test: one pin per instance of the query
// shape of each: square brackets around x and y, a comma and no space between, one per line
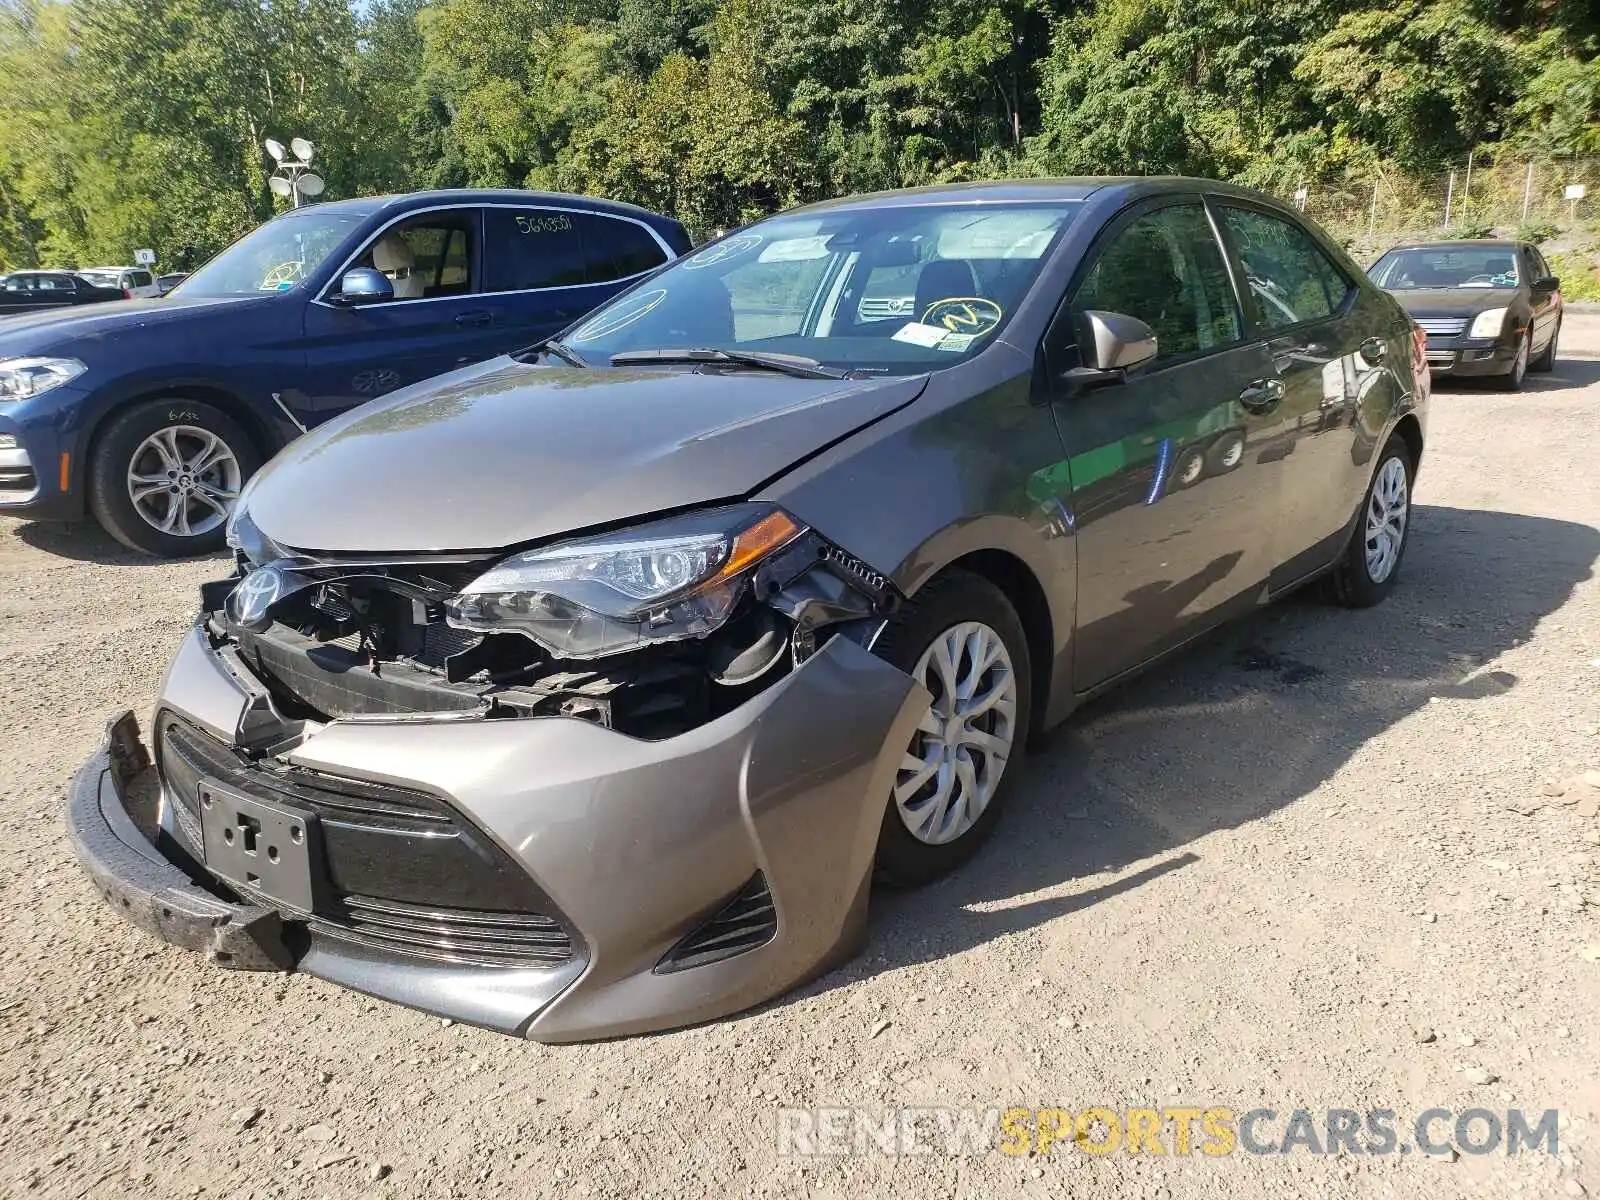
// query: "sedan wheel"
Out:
[1371,562]
[959,752]
[1511,381]
[1388,506]
[961,639]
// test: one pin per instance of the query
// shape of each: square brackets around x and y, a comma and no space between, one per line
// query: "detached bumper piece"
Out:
[147,889]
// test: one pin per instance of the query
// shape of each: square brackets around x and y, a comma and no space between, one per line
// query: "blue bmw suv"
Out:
[152,414]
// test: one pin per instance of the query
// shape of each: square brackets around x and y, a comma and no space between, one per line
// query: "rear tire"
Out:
[1371,563]
[1547,357]
[946,801]
[164,474]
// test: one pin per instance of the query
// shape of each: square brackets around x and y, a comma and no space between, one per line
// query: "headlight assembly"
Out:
[664,582]
[243,536]
[1488,324]
[21,378]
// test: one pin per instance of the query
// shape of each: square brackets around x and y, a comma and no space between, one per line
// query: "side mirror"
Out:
[1546,283]
[363,285]
[1111,346]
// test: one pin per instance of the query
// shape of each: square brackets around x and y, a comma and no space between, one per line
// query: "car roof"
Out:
[362,206]
[1065,189]
[1461,244]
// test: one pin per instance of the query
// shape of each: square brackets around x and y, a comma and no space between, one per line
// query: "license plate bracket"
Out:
[266,848]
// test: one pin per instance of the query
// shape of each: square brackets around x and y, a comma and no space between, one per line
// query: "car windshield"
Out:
[895,290]
[274,257]
[1446,267]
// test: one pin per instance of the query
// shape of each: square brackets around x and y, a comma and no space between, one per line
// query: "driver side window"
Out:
[1166,269]
[427,256]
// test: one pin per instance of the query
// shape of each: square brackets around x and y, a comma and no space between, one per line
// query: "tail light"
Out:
[1419,358]
[127,293]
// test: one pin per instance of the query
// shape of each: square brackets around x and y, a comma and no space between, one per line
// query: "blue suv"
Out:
[152,414]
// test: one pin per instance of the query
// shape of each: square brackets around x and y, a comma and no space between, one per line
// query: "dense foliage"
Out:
[127,123]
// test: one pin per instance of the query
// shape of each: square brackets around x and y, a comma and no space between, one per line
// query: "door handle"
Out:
[1373,350]
[1262,395]
[479,316]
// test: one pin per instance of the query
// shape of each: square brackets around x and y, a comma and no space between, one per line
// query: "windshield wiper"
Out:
[561,350]
[789,364]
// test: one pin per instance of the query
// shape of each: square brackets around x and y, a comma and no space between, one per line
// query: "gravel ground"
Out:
[1316,863]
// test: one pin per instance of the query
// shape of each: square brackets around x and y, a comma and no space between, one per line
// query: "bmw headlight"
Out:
[21,378]
[663,582]
[1488,324]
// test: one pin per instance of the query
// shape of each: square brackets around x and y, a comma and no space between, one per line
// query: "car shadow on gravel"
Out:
[85,541]
[1243,725]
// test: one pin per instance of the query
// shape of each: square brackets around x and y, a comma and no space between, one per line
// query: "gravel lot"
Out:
[1314,864]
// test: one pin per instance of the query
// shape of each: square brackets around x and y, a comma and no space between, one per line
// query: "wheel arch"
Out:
[1409,430]
[1021,586]
[250,419]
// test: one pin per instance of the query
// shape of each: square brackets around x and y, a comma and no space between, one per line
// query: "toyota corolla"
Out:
[587,691]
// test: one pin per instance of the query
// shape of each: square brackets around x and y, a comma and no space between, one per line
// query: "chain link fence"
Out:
[1485,195]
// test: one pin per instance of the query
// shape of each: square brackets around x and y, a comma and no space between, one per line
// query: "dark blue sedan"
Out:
[152,414]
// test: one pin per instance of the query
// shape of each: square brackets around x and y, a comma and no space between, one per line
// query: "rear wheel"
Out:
[1547,357]
[962,640]
[1366,573]
[166,473]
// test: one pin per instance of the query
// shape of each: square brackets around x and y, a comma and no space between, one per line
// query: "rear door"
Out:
[1173,507]
[440,318]
[1331,353]
[548,266]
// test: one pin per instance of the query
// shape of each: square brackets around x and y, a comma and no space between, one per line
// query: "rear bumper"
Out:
[641,847]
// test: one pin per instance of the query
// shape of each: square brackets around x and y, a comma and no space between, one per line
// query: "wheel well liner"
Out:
[1409,429]
[1013,577]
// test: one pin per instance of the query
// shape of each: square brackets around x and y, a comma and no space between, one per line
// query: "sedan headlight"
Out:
[1488,324]
[24,377]
[243,536]
[664,582]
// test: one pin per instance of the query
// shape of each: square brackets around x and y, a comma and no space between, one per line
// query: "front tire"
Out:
[1371,563]
[1547,357]
[165,473]
[961,638]
[1511,381]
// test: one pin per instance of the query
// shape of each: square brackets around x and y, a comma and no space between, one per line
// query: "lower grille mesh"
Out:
[496,939]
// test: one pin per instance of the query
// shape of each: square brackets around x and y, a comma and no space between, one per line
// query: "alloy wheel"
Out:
[1388,508]
[183,479]
[950,771]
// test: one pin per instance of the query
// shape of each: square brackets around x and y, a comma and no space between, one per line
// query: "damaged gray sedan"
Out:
[586,691]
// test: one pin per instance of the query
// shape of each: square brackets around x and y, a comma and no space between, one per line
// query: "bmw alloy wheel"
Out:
[951,769]
[183,479]
[1388,507]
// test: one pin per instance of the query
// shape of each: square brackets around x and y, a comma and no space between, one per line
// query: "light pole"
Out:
[294,177]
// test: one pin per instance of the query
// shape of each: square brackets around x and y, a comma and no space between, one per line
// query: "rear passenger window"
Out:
[1290,278]
[546,248]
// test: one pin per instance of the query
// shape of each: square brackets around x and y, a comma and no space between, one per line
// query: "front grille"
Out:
[492,939]
[745,922]
[1444,327]
[406,871]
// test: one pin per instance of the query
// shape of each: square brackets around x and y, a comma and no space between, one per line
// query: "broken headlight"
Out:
[663,582]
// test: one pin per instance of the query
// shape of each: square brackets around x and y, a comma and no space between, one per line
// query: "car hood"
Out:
[1453,302]
[507,452]
[44,332]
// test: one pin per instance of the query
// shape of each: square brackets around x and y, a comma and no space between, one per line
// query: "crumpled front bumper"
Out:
[638,844]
